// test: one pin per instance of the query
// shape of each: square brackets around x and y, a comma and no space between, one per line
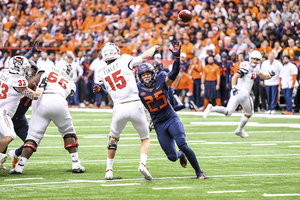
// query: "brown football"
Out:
[185,16]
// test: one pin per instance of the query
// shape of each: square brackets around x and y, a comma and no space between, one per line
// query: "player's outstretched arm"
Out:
[149,53]
[176,65]
[266,76]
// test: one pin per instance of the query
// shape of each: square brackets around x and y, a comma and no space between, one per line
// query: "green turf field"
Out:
[264,166]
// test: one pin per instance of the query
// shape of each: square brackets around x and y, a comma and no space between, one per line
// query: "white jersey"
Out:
[250,73]
[119,79]
[9,97]
[59,82]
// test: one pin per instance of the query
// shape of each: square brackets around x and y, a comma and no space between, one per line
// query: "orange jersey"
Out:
[185,83]
[197,71]
[211,72]
[187,48]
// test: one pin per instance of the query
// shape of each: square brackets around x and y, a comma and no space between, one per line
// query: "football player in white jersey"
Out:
[52,106]
[118,79]
[13,83]
[240,92]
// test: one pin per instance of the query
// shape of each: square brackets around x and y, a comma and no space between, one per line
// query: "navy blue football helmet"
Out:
[157,66]
[143,68]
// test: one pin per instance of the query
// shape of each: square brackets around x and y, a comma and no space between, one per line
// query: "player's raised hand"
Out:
[176,48]
[96,88]
[35,47]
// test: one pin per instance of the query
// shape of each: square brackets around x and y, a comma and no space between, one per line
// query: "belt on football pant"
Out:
[48,93]
[129,101]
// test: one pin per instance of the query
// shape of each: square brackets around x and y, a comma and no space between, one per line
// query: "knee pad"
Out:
[72,144]
[112,144]
[33,147]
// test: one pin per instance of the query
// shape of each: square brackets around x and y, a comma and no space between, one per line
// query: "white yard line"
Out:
[142,179]
[170,188]
[297,146]
[22,179]
[225,191]
[263,144]
[252,124]
[124,184]
[279,195]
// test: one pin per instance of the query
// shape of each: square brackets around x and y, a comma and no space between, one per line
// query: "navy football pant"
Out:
[170,130]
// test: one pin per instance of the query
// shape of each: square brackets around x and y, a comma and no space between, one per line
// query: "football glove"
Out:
[176,49]
[234,90]
[34,48]
[96,88]
[272,73]
[44,83]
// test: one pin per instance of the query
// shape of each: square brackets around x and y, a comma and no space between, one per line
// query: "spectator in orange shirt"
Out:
[195,71]
[187,47]
[183,86]
[211,78]
[144,8]
[78,22]
[252,8]
[290,50]
[154,40]
[58,36]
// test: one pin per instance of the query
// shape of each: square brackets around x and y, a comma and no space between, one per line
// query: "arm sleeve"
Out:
[29,54]
[175,69]
[134,62]
[104,89]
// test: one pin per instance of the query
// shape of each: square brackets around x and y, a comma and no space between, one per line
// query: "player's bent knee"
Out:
[112,144]
[172,157]
[73,144]
[248,116]
[30,144]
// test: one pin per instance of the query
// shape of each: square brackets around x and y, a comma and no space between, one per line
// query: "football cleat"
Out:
[201,176]
[12,155]
[3,158]
[207,110]
[77,168]
[273,112]
[109,174]
[193,106]
[241,133]
[143,170]
[183,160]
[17,170]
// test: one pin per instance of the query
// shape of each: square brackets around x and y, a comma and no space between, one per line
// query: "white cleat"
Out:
[13,157]
[109,174]
[77,168]
[3,158]
[17,170]
[207,110]
[268,112]
[241,133]
[273,112]
[143,170]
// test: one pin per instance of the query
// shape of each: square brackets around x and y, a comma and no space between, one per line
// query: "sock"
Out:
[143,158]
[180,154]
[74,156]
[22,161]
[190,155]
[219,109]
[243,122]
[110,163]
[218,101]
[18,152]
[186,105]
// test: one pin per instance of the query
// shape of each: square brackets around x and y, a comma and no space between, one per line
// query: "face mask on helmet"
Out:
[19,65]
[143,68]
[110,51]
[33,68]
[65,66]
[255,58]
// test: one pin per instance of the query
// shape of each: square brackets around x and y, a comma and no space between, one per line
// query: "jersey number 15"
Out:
[116,80]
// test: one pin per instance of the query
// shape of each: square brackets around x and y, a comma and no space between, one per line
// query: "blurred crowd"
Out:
[221,33]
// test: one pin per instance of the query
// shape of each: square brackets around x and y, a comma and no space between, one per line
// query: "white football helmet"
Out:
[65,66]
[254,54]
[110,51]
[19,65]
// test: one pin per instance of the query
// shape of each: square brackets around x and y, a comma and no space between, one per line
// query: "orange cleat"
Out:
[107,107]
[70,106]
[77,106]
[90,106]
[96,107]
[100,106]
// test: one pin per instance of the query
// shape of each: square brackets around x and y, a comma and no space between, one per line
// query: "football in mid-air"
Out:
[185,16]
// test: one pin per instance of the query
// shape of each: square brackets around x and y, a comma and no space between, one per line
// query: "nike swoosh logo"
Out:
[158,87]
